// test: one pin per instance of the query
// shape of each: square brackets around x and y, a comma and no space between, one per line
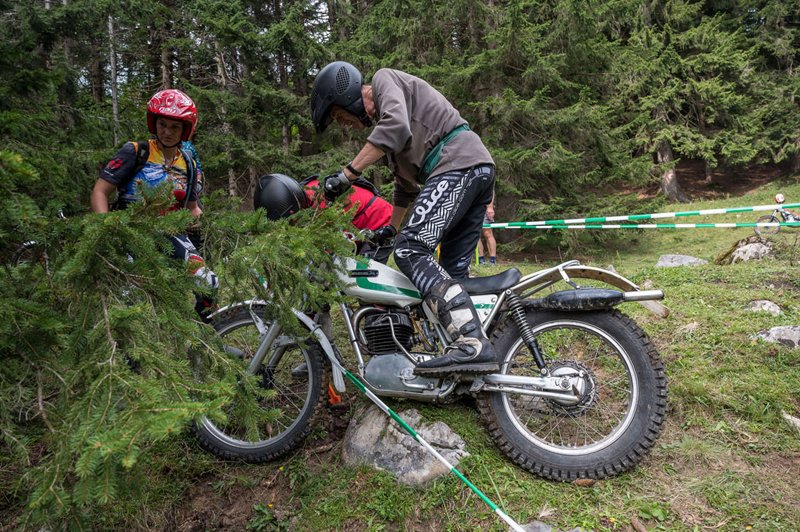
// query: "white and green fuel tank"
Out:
[375,283]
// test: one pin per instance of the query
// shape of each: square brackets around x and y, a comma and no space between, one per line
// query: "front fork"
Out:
[517,310]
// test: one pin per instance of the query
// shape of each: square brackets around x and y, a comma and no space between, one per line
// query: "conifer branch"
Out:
[40,402]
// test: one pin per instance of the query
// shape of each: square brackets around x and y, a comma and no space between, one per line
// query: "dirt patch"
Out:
[724,181]
[213,504]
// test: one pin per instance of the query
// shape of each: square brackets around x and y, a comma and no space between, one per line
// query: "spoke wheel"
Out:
[274,406]
[767,231]
[620,382]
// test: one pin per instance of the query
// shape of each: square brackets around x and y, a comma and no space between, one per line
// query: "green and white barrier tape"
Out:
[659,226]
[636,217]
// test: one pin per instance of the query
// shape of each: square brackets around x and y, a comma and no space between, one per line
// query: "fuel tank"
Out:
[375,283]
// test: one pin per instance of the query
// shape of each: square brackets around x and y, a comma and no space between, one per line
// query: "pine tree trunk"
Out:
[709,172]
[222,78]
[284,84]
[96,79]
[669,180]
[166,62]
[112,58]
[67,43]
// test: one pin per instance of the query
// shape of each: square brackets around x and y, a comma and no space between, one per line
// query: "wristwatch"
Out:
[353,170]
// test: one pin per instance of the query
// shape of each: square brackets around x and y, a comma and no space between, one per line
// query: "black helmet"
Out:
[338,83]
[279,195]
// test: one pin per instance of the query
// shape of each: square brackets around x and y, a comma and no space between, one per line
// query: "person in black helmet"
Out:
[444,178]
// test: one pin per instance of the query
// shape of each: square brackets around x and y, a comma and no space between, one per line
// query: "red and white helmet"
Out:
[173,104]
[779,198]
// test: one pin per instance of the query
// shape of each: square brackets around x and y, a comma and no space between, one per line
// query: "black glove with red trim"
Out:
[335,185]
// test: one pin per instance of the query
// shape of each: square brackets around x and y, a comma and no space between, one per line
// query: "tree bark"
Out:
[96,79]
[166,60]
[709,173]
[669,180]
[112,59]
[222,76]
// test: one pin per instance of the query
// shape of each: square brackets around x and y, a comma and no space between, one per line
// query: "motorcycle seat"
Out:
[493,284]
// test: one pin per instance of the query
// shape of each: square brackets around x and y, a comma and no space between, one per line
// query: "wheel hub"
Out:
[581,380]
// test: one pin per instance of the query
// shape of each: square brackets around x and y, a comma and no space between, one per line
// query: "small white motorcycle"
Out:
[581,391]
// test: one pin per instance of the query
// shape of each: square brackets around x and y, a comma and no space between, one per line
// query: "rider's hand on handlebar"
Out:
[383,235]
[335,185]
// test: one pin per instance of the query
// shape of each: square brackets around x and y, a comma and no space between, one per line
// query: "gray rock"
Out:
[374,439]
[537,526]
[755,251]
[793,421]
[762,305]
[788,335]
[671,261]
[648,284]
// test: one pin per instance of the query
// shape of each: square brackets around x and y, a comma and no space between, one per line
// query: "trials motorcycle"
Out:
[581,391]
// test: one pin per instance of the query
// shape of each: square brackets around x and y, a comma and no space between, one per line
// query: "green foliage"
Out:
[573,99]
[97,338]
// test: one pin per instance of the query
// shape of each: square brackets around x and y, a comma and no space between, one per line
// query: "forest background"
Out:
[578,101]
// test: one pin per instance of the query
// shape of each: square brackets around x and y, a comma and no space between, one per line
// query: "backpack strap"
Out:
[309,179]
[142,154]
[191,177]
[363,209]
[367,184]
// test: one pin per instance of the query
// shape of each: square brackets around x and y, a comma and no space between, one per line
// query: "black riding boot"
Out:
[470,351]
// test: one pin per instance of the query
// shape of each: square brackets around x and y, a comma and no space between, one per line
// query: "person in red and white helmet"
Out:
[172,119]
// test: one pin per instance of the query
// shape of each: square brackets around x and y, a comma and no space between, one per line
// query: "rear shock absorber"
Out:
[517,310]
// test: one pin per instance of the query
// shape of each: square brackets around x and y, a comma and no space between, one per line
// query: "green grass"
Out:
[726,459]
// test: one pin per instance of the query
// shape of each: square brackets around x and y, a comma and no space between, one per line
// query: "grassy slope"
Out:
[726,458]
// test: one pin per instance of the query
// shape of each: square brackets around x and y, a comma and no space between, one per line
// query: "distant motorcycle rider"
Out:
[443,174]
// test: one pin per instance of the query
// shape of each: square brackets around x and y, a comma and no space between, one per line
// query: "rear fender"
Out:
[598,274]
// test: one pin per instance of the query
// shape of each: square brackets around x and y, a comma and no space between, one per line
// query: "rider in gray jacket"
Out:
[444,179]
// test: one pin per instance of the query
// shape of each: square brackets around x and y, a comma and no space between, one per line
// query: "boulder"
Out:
[374,439]
[756,251]
[751,248]
[762,305]
[671,261]
[788,335]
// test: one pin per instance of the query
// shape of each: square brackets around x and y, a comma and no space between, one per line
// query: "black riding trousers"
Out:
[448,211]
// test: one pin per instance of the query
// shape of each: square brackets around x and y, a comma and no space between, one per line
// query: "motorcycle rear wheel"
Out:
[767,231]
[623,405]
[274,408]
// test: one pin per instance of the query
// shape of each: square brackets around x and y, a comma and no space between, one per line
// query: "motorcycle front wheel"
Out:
[274,407]
[621,383]
[767,231]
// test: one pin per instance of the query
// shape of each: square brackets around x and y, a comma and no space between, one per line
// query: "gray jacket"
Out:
[412,117]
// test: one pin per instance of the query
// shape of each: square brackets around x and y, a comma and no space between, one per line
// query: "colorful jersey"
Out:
[119,172]
[372,211]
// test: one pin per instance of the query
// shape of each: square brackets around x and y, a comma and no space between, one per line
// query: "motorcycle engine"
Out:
[385,334]
[384,331]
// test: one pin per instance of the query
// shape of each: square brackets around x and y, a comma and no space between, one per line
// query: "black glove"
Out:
[335,185]
[383,235]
